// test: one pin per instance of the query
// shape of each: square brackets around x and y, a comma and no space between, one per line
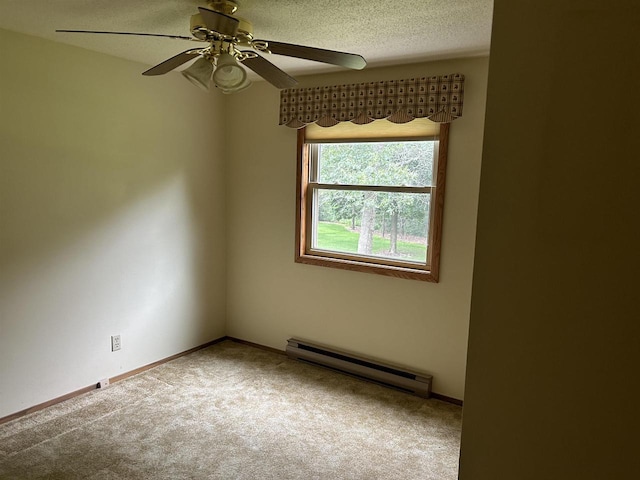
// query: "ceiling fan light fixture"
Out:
[200,73]
[228,75]
[231,41]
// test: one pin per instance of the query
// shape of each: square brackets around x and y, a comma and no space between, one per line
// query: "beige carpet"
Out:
[233,411]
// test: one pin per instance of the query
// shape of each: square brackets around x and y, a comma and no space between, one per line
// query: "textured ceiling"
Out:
[385,33]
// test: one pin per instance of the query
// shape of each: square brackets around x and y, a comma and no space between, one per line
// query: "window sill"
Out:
[356,266]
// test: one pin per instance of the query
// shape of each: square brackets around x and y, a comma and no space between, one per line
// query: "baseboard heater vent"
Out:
[416,383]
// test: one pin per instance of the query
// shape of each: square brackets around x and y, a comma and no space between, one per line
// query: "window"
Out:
[370,197]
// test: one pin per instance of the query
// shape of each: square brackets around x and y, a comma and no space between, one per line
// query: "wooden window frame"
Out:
[304,254]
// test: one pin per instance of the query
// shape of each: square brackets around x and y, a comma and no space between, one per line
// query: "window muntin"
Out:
[372,204]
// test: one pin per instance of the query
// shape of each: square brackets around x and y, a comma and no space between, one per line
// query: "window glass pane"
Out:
[378,224]
[376,163]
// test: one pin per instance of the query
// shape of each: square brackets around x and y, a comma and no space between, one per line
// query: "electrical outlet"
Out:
[103,383]
[115,343]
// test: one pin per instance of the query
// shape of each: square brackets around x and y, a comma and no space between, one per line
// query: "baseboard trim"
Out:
[257,345]
[117,378]
[122,376]
[48,403]
[444,398]
[131,373]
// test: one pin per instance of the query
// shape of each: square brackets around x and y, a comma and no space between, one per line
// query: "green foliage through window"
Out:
[387,224]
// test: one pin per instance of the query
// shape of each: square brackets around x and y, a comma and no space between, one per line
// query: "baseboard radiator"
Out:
[366,369]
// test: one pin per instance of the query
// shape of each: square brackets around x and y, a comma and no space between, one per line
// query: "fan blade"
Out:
[269,72]
[179,37]
[349,60]
[219,22]
[173,62]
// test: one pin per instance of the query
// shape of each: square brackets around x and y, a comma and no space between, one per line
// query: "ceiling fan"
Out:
[231,43]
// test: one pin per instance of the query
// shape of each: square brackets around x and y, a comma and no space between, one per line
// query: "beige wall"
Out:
[119,195]
[270,298]
[112,216]
[554,334]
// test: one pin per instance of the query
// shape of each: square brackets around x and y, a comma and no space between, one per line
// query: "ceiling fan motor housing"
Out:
[228,7]
[244,34]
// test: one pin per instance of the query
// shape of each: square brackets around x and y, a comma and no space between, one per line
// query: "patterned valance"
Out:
[437,98]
